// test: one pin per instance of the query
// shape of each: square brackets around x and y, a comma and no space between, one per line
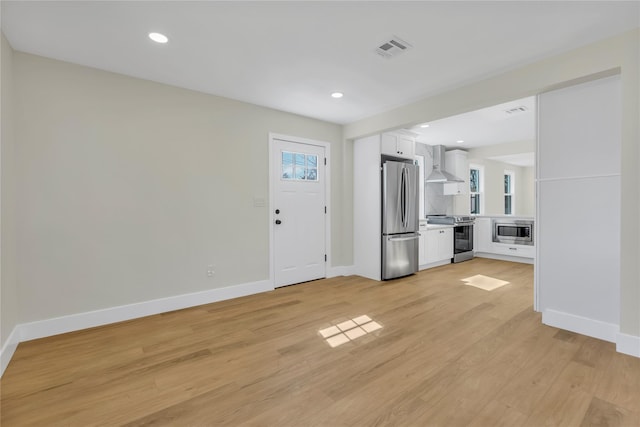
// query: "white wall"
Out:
[616,54]
[367,208]
[8,289]
[527,186]
[579,208]
[128,189]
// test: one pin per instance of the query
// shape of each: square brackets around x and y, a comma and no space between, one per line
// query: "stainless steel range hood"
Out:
[439,174]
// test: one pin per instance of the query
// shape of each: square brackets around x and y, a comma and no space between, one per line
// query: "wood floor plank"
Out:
[445,354]
[620,384]
[602,413]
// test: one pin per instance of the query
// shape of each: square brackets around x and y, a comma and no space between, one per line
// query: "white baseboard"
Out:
[434,264]
[342,270]
[9,348]
[628,344]
[90,319]
[582,325]
[505,257]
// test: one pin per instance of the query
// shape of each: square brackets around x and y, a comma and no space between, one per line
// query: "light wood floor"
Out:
[447,355]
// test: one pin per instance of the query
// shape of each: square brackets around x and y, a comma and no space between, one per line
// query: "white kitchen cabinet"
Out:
[367,256]
[482,235]
[422,246]
[439,245]
[456,163]
[514,250]
[485,247]
[398,145]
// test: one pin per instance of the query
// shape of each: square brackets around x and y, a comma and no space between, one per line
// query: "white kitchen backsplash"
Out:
[436,202]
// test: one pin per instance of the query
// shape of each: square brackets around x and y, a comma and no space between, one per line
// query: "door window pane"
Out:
[287,165]
[299,166]
[312,168]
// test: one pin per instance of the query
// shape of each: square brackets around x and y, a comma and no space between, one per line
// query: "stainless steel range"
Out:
[462,234]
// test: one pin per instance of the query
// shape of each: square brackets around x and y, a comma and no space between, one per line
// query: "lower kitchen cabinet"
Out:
[422,246]
[514,250]
[439,245]
[482,235]
[485,247]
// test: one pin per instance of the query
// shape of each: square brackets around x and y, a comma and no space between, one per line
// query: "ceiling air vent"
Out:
[516,110]
[392,47]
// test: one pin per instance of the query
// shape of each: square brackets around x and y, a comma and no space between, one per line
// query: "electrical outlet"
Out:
[210,271]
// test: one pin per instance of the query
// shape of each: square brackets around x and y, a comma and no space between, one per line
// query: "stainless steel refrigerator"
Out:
[399,219]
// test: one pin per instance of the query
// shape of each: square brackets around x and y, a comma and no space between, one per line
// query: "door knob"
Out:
[277,211]
[278,222]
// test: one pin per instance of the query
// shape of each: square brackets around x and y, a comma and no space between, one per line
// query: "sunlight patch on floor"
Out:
[484,282]
[349,330]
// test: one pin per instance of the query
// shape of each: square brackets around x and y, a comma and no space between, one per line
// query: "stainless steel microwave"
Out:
[512,231]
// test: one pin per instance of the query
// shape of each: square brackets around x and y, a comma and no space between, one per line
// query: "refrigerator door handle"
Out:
[402,196]
[405,202]
[402,239]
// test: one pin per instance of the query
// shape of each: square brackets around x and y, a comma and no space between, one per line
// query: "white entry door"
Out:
[299,212]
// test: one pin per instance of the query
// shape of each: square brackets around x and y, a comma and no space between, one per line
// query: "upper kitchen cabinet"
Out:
[456,163]
[367,200]
[398,144]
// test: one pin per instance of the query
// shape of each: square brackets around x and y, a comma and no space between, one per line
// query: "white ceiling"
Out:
[522,159]
[292,55]
[488,126]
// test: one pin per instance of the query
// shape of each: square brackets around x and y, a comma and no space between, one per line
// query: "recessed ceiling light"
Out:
[459,141]
[337,94]
[424,126]
[158,38]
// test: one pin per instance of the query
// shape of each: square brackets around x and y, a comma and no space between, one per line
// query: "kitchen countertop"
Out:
[436,226]
[423,222]
[525,218]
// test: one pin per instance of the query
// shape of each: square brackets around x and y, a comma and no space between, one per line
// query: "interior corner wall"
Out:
[8,283]
[526,188]
[616,54]
[347,203]
[128,189]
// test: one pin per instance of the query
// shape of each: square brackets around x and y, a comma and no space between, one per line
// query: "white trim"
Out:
[628,344]
[512,174]
[344,270]
[536,230]
[9,348]
[480,192]
[327,195]
[523,260]
[582,325]
[90,319]
[575,178]
[434,264]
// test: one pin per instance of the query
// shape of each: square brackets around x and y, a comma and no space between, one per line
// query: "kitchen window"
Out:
[509,197]
[476,183]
